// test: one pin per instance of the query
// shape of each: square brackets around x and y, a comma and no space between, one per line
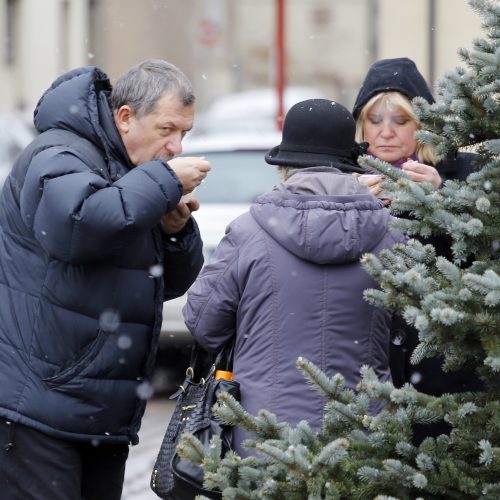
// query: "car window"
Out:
[236,177]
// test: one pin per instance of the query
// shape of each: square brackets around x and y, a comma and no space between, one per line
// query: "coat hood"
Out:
[322,216]
[71,102]
[78,101]
[399,74]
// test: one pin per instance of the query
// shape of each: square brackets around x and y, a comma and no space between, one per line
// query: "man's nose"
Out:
[174,146]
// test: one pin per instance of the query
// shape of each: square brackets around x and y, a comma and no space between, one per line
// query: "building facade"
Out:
[40,40]
[226,45]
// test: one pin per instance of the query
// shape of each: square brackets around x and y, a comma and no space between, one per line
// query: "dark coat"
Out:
[401,75]
[428,376]
[81,261]
[287,282]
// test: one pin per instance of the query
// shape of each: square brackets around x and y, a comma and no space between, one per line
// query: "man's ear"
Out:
[122,118]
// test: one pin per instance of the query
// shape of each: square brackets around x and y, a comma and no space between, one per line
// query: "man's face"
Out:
[157,134]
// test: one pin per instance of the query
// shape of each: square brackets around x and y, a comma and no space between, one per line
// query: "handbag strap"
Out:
[203,362]
[224,359]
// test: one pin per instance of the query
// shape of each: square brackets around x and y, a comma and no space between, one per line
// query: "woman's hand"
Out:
[372,182]
[419,172]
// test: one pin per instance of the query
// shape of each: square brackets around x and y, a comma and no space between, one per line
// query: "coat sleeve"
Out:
[457,166]
[183,259]
[78,216]
[210,311]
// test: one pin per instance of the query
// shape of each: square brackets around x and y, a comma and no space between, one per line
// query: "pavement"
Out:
[142,457]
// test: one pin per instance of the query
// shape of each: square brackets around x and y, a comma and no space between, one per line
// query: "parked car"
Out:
[239,174]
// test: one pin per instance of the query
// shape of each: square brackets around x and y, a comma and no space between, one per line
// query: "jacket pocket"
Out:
[87,357]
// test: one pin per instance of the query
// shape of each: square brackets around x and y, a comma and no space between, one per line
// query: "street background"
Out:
[227,46]
[230,50]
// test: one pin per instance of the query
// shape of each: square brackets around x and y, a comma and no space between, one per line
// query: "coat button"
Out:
[398,337]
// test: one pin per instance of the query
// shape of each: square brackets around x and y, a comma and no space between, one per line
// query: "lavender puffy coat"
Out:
[286,280]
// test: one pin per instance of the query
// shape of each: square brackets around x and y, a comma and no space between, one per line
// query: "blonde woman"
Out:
[385,120]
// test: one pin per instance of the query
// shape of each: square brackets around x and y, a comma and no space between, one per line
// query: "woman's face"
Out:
[390,132]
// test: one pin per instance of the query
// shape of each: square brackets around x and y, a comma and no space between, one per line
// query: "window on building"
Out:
[11,30]
[64,36]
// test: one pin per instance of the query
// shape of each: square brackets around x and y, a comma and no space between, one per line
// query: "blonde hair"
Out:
[285,172]
[424,152]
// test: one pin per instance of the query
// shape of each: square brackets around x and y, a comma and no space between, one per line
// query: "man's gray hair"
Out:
[144,84]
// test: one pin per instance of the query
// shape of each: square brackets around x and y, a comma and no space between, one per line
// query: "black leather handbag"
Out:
[174,478]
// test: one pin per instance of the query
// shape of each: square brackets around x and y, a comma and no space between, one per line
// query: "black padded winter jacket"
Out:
[84,270]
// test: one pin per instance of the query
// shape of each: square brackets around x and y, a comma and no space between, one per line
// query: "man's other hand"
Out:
[174,221]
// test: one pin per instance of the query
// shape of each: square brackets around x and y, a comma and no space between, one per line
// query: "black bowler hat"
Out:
[318,132]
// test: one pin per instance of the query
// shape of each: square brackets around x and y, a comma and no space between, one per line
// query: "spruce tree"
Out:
[455,306]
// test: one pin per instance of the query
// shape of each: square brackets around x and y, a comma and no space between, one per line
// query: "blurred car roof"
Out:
[250,110]
[231,141]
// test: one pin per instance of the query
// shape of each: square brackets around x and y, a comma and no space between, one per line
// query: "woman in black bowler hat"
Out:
[286,280]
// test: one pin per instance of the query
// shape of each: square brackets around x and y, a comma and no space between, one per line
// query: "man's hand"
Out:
[174,221]
[191,170]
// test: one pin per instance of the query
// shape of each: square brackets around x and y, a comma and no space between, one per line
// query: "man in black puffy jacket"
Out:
[93,238]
